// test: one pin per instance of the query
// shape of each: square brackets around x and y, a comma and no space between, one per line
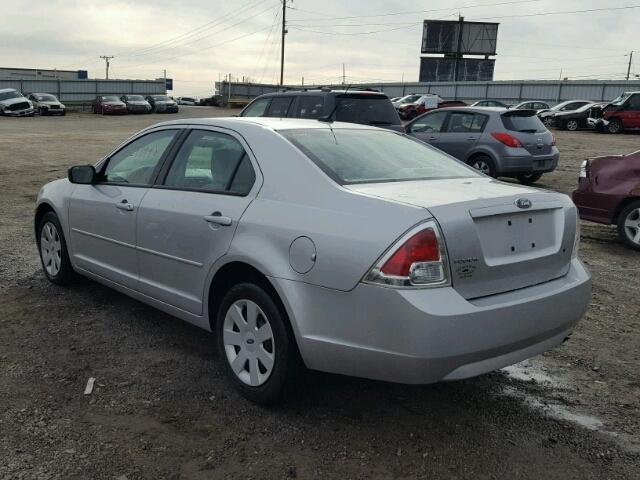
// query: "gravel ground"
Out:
[162,409]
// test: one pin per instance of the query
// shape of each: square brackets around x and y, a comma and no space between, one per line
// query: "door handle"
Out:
[433,138]
[124,205]
[218,219]
[472,139]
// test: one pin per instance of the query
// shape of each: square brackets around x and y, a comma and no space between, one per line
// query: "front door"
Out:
[631,114]
[428,128]
[102,217]
[187,223]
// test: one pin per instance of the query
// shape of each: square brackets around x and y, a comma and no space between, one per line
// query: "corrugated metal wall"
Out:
[85,91]
[509,91]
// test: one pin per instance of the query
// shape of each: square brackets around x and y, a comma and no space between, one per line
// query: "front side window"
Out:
[211,162]
[430,123]
[279,107]
[634,103]
[370,156]
[309,106]
[136,163]
[257,108]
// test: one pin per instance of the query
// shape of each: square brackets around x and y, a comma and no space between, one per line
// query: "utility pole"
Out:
[630,61]
[344,77]
[106,59]
[284,32]
[459,48]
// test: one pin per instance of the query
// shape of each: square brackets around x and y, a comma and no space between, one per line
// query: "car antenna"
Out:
[329,118]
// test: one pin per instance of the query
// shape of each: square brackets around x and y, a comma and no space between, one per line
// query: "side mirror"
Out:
[83,174]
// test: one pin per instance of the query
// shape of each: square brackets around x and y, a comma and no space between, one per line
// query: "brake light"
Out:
[418,259]
[553,140]
[508,140]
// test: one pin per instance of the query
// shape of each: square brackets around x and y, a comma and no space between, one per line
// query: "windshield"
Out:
[46,98]
[560,105]
[586,107]
[110,99]
[161,98]
[620,100]
[10,94]
[372,156]
[135,98]
[366,110]
[409,99]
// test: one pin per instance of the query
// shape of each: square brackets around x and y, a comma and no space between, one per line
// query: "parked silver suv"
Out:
[496,141]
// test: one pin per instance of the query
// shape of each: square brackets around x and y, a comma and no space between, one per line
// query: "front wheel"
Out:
[484,164]
[629,225]
[53,250]
[256,344]
[529,178]
[548,122]
[615,126]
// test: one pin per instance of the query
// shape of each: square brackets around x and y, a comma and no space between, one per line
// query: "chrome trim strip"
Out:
[100,237]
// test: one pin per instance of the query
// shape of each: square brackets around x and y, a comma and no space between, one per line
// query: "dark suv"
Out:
[354,106]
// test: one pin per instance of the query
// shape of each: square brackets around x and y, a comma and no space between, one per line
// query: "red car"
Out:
[109,105]
[621,114]
[409,111]
[609,192]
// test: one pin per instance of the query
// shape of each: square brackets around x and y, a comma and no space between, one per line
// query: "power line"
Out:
[541,14]
[353,33]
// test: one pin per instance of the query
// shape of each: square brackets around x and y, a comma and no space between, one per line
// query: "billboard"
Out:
[442,69]
[442,36]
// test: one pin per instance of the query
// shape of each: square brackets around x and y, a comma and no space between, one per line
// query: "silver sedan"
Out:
[339,247]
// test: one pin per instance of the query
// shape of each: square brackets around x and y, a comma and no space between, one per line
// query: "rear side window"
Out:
[366,110]
[460,122]
[519,123]
[279,107]
[309,106]
[257,108]
[211,162]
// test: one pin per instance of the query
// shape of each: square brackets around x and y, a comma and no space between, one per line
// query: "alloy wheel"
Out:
[572,125]
[482,166]
[249,342]
[51,249]
[632,226]
[548,122]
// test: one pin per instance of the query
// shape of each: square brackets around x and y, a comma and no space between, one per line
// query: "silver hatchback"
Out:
[496,141]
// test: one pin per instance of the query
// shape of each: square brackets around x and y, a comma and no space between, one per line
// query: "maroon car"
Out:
[109,105]
[609,192]
[409,111]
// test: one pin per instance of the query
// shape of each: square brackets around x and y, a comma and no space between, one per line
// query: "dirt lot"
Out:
[161,408]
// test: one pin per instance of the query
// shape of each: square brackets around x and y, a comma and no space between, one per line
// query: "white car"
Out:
[186,101]
[14,104]
[47,104]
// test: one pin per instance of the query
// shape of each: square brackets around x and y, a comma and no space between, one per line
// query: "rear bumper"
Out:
[425,336]
[514,165]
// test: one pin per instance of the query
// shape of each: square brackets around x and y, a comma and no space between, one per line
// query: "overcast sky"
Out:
[197,41]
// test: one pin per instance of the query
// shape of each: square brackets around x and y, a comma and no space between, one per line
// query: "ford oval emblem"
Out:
[523,203]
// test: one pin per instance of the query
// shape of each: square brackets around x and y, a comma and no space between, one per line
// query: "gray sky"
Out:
[198,41]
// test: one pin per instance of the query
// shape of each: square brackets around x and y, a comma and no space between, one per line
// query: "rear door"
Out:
[429,127]
[462,133]
[279,107]
[187,221]
[102,216]
[631,114]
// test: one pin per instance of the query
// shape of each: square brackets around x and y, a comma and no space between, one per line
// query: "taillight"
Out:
[508,140]
[553,140]
[584,169]
[418,259]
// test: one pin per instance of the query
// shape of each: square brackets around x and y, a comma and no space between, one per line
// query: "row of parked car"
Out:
[621,114]
[14,103]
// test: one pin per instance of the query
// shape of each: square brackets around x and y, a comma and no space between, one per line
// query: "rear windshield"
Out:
[372,156]
[135,98]
[522,123]
[366,110]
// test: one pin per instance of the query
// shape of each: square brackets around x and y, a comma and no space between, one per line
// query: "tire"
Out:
[615,126]
[263,371]
[572,125]
[484,164]
[629,225]
[42,112]
[52,248]
[548,122]
[529,178]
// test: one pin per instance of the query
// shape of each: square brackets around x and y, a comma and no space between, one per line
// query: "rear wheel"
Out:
[256,344]
[615,126]
[548,122]
[629,225]
[53,250]
[572,125]
[529,178]
[484,164]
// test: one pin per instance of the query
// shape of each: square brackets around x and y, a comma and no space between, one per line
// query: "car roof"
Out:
[269,123]
[318,91]
[2,90]
[41,93]
[471,109]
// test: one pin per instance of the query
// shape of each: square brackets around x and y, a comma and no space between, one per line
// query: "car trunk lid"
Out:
[499,237]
